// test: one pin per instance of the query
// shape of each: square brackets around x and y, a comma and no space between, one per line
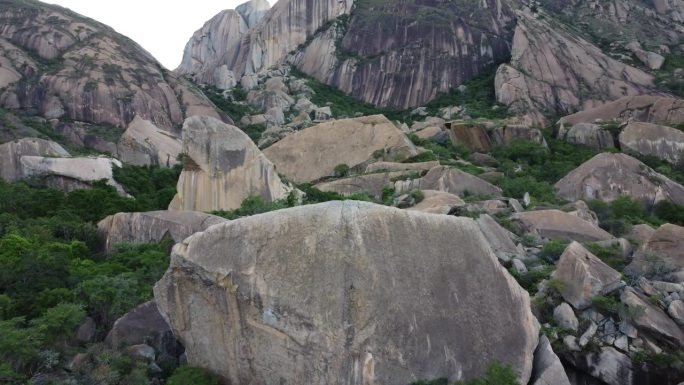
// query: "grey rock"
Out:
[141,352]
[548,369]
[622,343]
[11,169]
[676,311]
[584,276]
[588,134]
[86,331]
[500,239]
[628,329]
[652,319]
[385,315]
[588,334]
[556,224]
[439,202]
[662,253]
[449,180]
[641,108]
[565,317]
[608,176]
[152,227]
[222,168]
[571,343]
[519,266]
[610,366]
[648,139]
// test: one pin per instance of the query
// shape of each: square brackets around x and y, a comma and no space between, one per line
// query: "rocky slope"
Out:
[91,83]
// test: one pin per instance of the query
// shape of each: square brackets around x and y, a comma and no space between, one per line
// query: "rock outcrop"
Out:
[650,139]
[70,174]
[438,202]
[313,153]
[662,253]
[652,319]
[65,67]
[269,298]
[588,134]
[143,143]
[451,180]
[11,169]
[152,227]
[555,71]
[556,224]
[642,108]
[371,184]
[548,369]
[608,176]
[222,167]
[584,276]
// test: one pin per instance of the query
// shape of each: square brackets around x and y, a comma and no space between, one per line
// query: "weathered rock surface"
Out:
[500,239]
[588,134]
[532,83]
[584,276]
[209,57]
[393,166]
[556,224]
[69,174]
[650,139]
[11,169]
[449,180]
[152,227]
[609,366]
[506,134]
[565,317]
[437,202]
[143,143]
[652,319]
[239,297]
[641,233]
[642,108]
[144,325]
[222,168]
[473,137]
[313,153]
[608,176]
[67,67]
[372,184]
[548,369]
[664,251]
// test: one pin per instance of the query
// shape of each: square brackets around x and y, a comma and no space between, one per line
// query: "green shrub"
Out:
[251,206]
[553,250]
[186,375]
[669,212]
[341,170]
[611,256]
[530,280]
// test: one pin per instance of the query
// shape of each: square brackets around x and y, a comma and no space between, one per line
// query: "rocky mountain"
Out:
[90,86]
[404,53]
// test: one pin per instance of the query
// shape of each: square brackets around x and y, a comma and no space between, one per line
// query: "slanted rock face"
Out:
[608,176]
[438,202]
[591,135]
[473,137]
[239,297]
[500,239]
[649,139]
[153,226]
[528,85]
[313,153]
[143,143]
[584,276]
[506,134]
[222,168]
[652,319]
[144,325]
[372,184]
[393,166]
[664,251]
[548,369]
[11,169]
[71,173]
[450,180]
[93,74]
[556,224]
[642,108]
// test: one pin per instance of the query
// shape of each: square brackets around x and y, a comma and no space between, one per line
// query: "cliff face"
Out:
[402,53]
[65,67]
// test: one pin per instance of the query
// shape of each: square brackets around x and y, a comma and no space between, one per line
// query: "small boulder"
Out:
[676,311]
[548,369]
[652,319]
[437,202]
[584,276]
[565,317]
[450,180]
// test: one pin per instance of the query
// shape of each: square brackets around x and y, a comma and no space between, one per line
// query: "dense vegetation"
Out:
[54,275]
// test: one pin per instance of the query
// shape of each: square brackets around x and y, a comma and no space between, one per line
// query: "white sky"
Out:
[161,27]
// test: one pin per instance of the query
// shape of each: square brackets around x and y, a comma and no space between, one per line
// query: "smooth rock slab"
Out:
[652,319]
[584,276]
[335,294]
[650,139]
[153,226]
[450,180]
[11,153]
[548,369]
[664,251]
[556,224]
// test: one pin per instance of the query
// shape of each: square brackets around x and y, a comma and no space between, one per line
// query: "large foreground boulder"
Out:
[222,167]
[556,224]
[287,298]
[313,153]
[11,153]
[153,226]
[608,176]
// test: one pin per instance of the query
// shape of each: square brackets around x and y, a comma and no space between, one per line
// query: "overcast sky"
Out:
[161,27]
